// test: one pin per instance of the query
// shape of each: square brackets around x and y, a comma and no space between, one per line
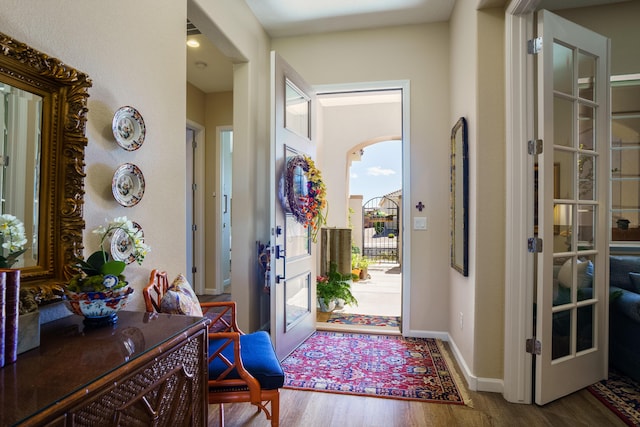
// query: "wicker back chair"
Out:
[242,367]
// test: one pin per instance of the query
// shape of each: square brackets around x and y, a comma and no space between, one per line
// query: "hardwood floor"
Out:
[310,409]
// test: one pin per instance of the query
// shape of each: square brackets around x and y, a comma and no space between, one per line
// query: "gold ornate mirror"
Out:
[49,192]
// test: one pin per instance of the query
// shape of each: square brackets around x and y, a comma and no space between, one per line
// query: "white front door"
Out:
[572,197]
[293,306]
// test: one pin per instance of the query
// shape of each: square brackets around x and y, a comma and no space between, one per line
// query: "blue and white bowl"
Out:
[98,306]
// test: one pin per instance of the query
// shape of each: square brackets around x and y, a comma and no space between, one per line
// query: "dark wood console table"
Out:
[147,369]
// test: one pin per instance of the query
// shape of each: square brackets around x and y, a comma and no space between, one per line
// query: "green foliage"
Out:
[379,227]
[335,286]
[100,263]
[359,261]
[82,283]
[94,270]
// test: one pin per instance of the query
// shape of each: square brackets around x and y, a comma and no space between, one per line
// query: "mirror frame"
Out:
[64,115]
[460,223]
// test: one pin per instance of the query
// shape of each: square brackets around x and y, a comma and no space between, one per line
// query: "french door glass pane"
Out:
[562,226]
[586,76]
[561,331]
[575,167]
[563,122]
[586,121]
[564,166]
[586,227]
[562,69]
[585,328]
[586,176]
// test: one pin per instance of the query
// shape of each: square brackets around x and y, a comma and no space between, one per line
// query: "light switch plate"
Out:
[420,223]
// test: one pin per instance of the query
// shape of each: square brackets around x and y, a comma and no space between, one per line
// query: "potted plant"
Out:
[355,266]
[332,287]
[100,289]
[363,264]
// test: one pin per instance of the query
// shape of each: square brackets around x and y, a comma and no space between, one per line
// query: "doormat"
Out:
[363,319]
[375,365]
[621,395]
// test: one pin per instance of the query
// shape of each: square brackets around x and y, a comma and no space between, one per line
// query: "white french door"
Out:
[293,272]
[572,173]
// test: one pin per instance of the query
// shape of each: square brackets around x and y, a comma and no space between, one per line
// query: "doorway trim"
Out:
[518,367]
[405,87]
[198,206]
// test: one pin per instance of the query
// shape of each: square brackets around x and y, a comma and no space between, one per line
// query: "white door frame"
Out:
[518,368]
[198,206]
[405,86]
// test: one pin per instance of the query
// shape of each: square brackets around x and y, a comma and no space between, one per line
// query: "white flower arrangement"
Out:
[140,248]
[100,272]
[13,240]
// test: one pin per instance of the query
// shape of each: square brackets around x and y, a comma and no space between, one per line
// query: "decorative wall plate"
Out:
[127,185]
[122,245]
[128,128]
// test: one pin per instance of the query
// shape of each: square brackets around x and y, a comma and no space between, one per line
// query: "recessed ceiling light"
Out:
[201,65]
[193,43]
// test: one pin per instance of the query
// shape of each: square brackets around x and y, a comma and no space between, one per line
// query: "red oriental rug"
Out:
[621,395]
[374,365]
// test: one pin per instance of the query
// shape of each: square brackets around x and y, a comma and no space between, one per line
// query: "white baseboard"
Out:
[493,385]
[474,383]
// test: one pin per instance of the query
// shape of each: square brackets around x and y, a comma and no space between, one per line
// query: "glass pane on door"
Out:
[575,166]
[297,296]
[297,115]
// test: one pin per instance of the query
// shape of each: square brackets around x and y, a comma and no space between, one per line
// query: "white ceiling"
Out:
[282,18]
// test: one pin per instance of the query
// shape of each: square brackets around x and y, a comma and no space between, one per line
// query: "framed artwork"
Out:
[460,197]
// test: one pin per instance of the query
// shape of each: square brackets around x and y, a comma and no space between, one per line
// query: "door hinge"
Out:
[194,227]
[533,346]
[534,46]
[534,147]
[4,160]
[194,187]
[194,269]
[534,245]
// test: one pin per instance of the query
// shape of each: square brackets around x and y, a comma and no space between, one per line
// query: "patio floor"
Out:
[381,295]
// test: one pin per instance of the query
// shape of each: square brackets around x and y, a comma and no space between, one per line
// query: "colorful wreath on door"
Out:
[305,193]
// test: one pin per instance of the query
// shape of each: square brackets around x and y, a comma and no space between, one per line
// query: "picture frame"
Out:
[459,195]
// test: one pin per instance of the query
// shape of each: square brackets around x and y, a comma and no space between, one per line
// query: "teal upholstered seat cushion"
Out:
[258,358]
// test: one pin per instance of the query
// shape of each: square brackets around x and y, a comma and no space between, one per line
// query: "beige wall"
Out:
[131,63]
[463,94]
[195,104]
[419,53]
[619,22]
[490,205]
